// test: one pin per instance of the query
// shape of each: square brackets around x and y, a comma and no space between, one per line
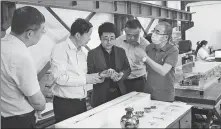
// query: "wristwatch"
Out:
[144,59]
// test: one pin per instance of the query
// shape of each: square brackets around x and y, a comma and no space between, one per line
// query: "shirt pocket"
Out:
[160,57]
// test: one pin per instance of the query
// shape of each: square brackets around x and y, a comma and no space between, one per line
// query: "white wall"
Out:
[207,23]
[70,15]
[55,32]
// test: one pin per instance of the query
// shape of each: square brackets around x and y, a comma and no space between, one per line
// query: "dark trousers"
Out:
[136,84]
[65,108]
[113,93]
[99,97]
[19,121]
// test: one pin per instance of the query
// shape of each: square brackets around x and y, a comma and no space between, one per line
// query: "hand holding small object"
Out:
[107,73]
[117,76]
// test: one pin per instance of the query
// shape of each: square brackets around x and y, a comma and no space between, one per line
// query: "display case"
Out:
[197,75]
[111,114]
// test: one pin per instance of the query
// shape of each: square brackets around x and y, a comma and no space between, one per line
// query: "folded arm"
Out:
[27,81]
[169,62]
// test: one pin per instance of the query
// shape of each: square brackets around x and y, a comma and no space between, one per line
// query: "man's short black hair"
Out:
[80,26]
[168,27]
[133,24]
[26,18]
[107,27]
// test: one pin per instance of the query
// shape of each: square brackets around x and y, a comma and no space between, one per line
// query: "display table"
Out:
[207,102]
[197,76]
[108,115]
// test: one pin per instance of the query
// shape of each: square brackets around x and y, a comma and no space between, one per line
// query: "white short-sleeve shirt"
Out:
[137,69]
[18,77]
[202,54]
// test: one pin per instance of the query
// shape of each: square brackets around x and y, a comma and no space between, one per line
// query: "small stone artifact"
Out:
[147,109]
[139,113]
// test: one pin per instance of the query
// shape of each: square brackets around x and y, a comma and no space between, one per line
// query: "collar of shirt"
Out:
[165,48]
[17,40]
[112,49]
[72,46]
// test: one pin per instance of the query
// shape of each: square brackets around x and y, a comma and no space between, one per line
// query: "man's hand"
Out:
[111,72]
[117,76]
[94,78]
[107,73]
[104,74]
[38,116]
[139,55]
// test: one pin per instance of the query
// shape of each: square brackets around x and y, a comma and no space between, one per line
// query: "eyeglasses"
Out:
[157,32]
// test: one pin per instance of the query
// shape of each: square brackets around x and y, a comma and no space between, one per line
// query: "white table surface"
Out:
[109,114]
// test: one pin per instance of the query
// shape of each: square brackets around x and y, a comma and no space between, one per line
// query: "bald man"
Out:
[160,58]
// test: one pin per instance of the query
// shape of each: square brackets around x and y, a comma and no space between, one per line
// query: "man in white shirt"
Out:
[132,43]
[69,70]
[20,91]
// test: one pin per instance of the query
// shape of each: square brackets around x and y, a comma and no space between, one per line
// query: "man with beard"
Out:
[160,58]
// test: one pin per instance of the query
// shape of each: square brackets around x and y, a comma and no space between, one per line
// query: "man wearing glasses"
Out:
[160,58]
[133,43]
[111,63]
[20,91]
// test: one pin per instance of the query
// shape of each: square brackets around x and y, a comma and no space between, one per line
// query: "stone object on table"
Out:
[139,113]
[129,120]
[147,109]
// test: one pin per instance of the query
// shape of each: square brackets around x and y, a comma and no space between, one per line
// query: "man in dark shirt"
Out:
[112,64]
[160,58]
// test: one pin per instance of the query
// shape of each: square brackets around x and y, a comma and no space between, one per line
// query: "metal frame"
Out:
[145,33]
[149,25]
[48,65]
[90,16]
[138,9]
[58,18]
[65,25]
[132,9]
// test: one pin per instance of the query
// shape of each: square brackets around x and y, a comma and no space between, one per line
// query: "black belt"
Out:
[113,89]
[139,78]
[83,99]
[20,116]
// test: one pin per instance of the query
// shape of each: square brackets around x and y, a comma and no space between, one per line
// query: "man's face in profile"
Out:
[37,34]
